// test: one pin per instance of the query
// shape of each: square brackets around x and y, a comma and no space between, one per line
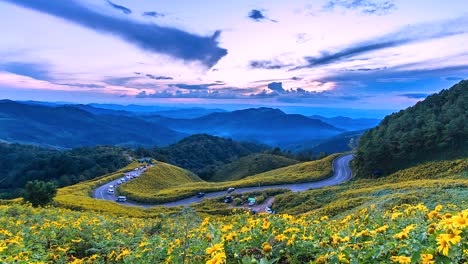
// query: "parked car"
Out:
[123,180]
[230,190]
[251,203]
[111,186]
[121,199]
[252,211]
[200,194]
[110,191]
[228,199]
[268,210]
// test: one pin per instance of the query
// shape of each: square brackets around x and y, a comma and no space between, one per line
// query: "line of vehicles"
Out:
[137,172]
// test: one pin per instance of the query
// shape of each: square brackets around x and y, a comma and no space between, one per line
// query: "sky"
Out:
[348,54]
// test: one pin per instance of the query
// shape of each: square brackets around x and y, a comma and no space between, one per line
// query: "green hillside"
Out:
[149,188]
[433,129]
[430,183]
[157,178]
[250,165]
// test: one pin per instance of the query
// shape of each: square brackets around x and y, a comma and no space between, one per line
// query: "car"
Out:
[119,181]
[121,199]
[268,210]
[230,190]
[110,191]
[200,194]
[251,203]
[228,199]
[123,180]
[252,211]
[111,186]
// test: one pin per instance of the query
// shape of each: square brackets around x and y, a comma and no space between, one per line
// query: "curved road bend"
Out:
[341,172]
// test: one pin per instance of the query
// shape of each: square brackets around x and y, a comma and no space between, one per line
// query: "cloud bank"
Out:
[150,37]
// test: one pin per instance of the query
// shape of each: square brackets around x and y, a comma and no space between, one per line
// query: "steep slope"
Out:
[348,123]
[435,128]
[250,165]
[67,127]
[265,125]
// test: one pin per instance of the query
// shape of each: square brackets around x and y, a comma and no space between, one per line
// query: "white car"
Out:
[110,191]
[121,199]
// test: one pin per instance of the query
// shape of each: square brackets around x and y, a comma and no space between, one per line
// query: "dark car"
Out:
[228,199]
[200,194]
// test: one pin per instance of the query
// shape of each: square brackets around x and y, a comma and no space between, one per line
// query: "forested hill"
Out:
[435,128]
[22,163]
[203,153]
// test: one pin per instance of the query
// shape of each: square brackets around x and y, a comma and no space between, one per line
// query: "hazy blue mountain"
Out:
[338,143]
[347,123]
[265,125]
[188,113]
[66,127]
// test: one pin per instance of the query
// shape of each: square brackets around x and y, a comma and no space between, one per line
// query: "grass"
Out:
[429,183]
[251,165]
[159,177]
[79,197]
[303,172]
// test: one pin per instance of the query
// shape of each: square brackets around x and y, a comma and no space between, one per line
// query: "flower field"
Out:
[404,234]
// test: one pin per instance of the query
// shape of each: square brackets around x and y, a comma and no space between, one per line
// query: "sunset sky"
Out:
[364,54]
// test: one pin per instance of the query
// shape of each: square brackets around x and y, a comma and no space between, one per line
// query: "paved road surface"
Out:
[341,172]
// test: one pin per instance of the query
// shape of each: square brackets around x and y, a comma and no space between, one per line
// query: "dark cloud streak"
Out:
[150,37]
[407,35]
[125,10]
[368,7]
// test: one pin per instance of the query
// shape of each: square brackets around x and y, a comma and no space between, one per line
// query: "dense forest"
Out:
[435,128]
[202,153]
[22,163]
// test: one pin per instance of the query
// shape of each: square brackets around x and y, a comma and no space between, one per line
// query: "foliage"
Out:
[39,193]
[149,192]
[429,183]
[203,153]
[403,234]
[435,128]
[250,165]
[22,163]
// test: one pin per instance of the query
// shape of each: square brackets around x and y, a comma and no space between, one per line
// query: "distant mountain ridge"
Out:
[265,125]
[67,126]
[347,123]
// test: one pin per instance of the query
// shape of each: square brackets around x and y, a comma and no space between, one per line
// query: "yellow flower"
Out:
[444,245]
[453,236]
[461,220]
[76,240]
[266,247]
[218,258]
[401,259]
[280,237]
[215,248]
[427,258]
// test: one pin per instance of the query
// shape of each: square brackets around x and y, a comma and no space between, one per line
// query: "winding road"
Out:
[341,172]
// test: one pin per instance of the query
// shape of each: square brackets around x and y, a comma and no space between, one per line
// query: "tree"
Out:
[39,193]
